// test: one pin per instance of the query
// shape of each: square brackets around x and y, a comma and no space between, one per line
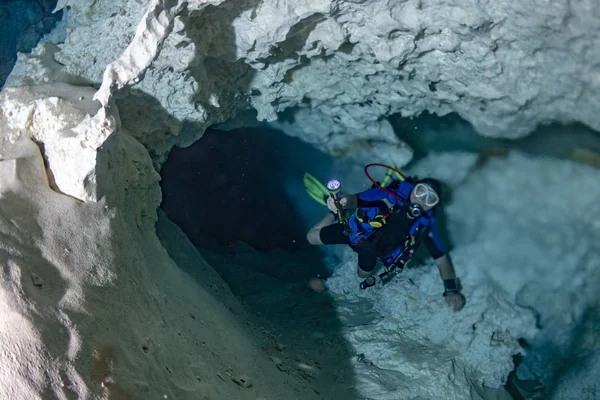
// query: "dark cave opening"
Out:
[243,185]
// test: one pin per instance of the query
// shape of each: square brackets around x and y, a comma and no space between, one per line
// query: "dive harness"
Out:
[410,246]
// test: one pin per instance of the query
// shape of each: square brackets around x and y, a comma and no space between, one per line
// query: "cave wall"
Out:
[504,67]
[93,305]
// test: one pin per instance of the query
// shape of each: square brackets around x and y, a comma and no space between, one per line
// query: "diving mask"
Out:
[425,193]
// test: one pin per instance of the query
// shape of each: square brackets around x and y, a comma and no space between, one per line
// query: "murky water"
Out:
[430,133]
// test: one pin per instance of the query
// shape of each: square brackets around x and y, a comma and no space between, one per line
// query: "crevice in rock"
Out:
[49,174]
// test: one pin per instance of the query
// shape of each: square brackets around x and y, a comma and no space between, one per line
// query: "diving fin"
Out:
[315,189]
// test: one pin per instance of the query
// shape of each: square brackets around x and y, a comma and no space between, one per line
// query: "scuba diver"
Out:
[387,224]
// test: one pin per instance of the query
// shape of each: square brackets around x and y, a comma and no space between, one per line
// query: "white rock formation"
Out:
[68,132]
[92,305]
[505,67]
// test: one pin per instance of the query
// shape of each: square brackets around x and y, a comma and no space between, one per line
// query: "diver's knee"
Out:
[313,237]
[362,273]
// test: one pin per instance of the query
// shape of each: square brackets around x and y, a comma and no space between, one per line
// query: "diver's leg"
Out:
[314,235]
[367,259]
[325,232]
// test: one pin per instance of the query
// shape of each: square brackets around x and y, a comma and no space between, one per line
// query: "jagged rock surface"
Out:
[505,67]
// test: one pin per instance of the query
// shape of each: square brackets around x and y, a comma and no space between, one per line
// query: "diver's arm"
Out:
[445,267]
[441,259]
[348,201]
[362,199]
[371,195]
[452,293]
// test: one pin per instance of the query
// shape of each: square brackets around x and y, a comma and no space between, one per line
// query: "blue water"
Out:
[22,24]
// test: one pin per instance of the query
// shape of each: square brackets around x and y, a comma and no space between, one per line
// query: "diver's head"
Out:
[425,195]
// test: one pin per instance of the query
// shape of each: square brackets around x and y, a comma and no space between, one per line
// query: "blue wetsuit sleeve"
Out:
[434,244]
[369,196]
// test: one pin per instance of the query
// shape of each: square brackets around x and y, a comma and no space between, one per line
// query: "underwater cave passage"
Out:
[242,185]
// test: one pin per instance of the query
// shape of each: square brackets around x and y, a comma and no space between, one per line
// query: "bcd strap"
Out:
[376,222]
[410,245]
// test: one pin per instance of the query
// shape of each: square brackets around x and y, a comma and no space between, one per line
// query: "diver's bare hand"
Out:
[455,300]
[331,203]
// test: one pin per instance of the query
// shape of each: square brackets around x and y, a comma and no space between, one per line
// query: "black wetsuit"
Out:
[384,241]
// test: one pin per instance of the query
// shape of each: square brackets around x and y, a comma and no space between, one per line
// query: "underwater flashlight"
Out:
[334,186]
